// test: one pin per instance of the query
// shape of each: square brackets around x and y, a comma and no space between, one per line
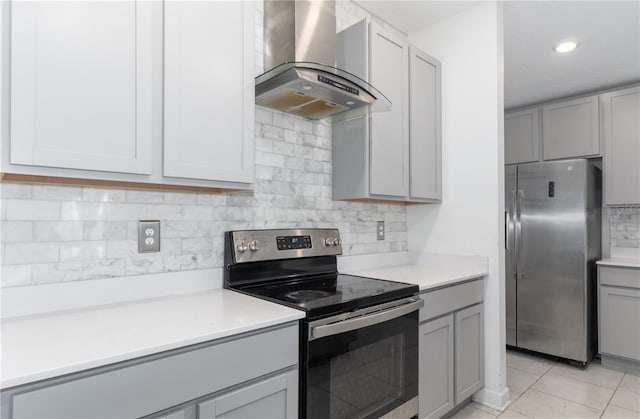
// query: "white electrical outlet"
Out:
[380,230]
[148,236]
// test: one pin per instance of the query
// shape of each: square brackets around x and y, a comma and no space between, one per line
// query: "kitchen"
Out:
[69,248]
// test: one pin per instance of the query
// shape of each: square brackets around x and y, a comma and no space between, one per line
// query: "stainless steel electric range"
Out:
[359,339]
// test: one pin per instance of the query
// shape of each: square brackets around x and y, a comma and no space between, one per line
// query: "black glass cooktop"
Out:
[327,294]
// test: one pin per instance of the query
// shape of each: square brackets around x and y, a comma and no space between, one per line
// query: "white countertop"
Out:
[43,346]
[48,331]
[627,257]
[430,271]
[622,262]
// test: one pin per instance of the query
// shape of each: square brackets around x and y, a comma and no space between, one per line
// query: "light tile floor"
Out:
[543,388]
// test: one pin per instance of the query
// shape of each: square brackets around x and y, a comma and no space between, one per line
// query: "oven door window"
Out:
[362,373]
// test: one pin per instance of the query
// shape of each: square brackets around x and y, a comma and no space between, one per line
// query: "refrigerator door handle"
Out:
[519,254]
[507,227]
[510,231]
[513,238]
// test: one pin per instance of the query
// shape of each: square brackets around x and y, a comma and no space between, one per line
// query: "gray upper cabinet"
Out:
[521,136]
[82,105]
[388,71]
[390,155]
[621,138]
[149,96]
[425,130]
[571,129]
[208,90]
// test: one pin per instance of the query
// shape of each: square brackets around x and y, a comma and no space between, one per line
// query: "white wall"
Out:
[470,220]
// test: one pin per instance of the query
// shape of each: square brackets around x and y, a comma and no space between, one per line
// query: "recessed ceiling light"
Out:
[566,46]
[307,87]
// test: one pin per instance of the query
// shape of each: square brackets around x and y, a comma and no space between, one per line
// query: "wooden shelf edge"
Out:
[100,183]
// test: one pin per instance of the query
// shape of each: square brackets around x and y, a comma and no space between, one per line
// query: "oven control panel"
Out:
[293,242]
[259,245]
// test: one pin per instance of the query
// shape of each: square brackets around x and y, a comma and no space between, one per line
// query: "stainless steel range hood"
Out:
[299,60]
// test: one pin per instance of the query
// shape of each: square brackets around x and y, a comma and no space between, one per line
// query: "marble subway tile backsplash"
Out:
[65,233]
[624,226]
[59,233]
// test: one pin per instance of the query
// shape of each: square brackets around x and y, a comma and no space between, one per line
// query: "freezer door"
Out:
[551,263]
[510,254]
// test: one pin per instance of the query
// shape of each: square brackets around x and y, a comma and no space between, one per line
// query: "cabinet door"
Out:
[425,135]
[180,414]
[389,157]
[436,367]
[521,139]
[621,136]
[619,314]
[273,398]
[469,349]
[570,129]
[81,85]
[209,90]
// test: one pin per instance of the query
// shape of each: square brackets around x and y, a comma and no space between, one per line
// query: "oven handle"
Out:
[357,321]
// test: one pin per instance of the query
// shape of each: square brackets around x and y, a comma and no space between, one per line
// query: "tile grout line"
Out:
[527,389]
[573,401]
[587,382]
[614,393]
[529,372]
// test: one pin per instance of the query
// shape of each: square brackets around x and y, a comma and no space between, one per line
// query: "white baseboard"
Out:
[498,400]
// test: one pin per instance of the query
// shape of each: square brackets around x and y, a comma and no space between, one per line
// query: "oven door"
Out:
[362,364]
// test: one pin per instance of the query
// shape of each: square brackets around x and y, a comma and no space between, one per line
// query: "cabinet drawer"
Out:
[151,386]
[446,300]
[619,277]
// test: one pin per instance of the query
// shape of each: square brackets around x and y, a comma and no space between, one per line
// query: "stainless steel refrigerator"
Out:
[553,227]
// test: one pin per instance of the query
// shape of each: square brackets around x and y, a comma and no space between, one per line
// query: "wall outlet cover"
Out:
[148,236]
[380,230]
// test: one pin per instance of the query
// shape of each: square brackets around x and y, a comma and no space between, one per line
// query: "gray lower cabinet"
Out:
[451,357]
[619,316]
[436,367]
[469,351]
[521,137]
[571,129]
[274,398]
[621,137]
[180,414]
[231,377]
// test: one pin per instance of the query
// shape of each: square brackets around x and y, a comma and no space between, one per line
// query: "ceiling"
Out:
[410,16]
[608,31]
[608,54]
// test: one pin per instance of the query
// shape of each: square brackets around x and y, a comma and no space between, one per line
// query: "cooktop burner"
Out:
[306,295]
